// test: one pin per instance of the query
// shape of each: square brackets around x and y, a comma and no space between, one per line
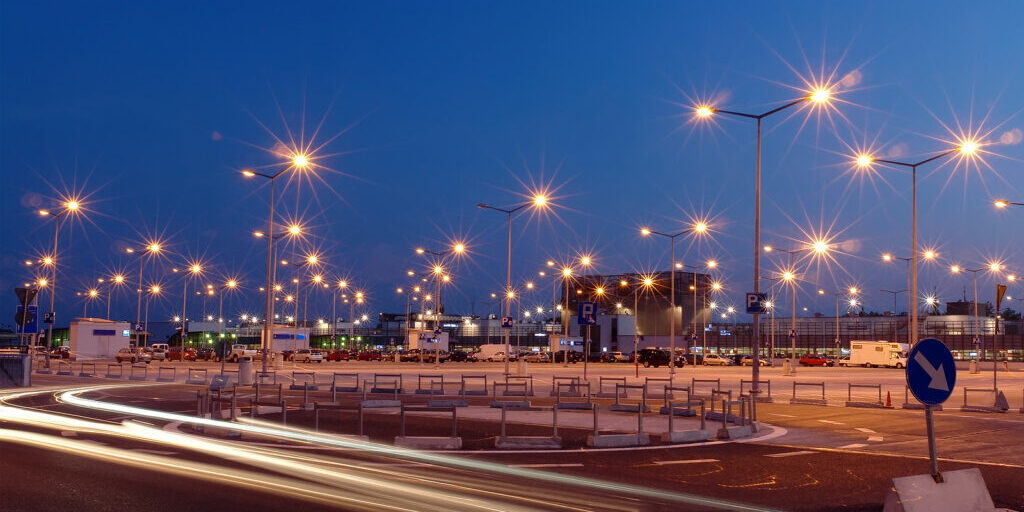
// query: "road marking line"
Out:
[69,433]
[877,439]
[790,454]
[832,422]
[782,415]
[155,452]
[865,430]
[545,465]
[685,461]
[854,445]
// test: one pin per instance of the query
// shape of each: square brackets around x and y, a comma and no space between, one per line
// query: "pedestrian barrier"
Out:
[374,404]
[63,368]
[725,397]
[269,377]
[624,389]
[864,401]
[138,372]
[761,386]
[222,396]
[262,399]
[233,374]
[161,374]
[371,387]
[907,404]
[87,370]
[996,407]
[110,371]
[42,365]
[465,390]
[196,376]
[808,400]
[665,383]
[507,442]
[1022,401]
[431,377]
[745,427]
[263,389]
[615,381]
[686,436]
[335,387]
[526,380]
[599,440]
[453,442]
[669,394]
[220,382]
[329,406]
[437,388]
[695,381]
[395,381]
[305,381]
[510,388]
[573,390]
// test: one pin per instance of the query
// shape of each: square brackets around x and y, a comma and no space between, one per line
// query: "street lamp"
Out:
[538,201]
[70,207]
[152,248]
[820,95]
[298,161]
[698,228]
[816,248]
[194,270]
[992,267]
[440,275]
[966,148]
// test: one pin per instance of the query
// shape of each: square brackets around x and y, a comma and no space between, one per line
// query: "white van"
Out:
[878,353]
[160,346]
[491,351]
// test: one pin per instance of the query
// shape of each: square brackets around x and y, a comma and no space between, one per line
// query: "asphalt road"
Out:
[827,458]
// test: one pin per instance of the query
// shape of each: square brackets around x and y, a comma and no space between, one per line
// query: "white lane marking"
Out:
[782,415]
[877,439]
[69,433]
[546,465]
[790,454]
[865,430]
[854,445]
[685,461]
[832,422]
[155,452]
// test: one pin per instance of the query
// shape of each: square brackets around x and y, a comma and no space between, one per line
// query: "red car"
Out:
[816,360]
[338,355]
[370,355]
[176,354]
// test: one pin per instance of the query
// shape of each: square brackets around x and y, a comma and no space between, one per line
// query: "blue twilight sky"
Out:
[151,110]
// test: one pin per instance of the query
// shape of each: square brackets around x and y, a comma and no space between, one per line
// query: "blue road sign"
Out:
[931,371]
[32,326]
[437,330]
[792,333]
[587,314]
[506,322]
[755,303]
[138,327]
[48,317]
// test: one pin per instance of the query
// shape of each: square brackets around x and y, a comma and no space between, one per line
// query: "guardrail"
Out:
[395,380]
[981,408]
[464,389]
[621,407]
[573,385]
[344,389]
[431,378]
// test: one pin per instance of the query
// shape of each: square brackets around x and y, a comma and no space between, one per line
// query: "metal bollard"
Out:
[284,411]
[234,417]
[703,420]
[554,420]
[503,420]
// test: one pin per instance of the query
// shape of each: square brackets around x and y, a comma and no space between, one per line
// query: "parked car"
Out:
[308,355]
[497,357]
[370,355]
[241,351]
[843,361]
[716,360]
[60,353]
[177,354]
[538,357]
[654,357]
[461,356]
[695,358]
[204,354]
[749,361]
[132,355]
[337,355]
[574,357]
[816,360]
[158,354]
[614,356]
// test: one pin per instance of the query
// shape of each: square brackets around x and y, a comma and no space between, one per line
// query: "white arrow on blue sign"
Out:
[931,371]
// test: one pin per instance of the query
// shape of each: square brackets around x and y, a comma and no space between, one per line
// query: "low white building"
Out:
[95,338]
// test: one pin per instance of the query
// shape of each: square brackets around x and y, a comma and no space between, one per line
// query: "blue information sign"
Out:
[588,314]
[506,322]
[755,303]
[30,327]
[931,371]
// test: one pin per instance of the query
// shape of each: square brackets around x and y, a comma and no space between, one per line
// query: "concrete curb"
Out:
[429,443]
[528,443]
[618,440]
[687,436]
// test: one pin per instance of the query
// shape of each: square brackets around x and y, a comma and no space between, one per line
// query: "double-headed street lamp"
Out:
[815,248]
[966,148]
[297,162]
[115,280]
[821,95]
[538,201]
[993,267]
[69,207]
[1003,204]
[151,249]
[698,228]
[852,293]
[193,270]
[440,275]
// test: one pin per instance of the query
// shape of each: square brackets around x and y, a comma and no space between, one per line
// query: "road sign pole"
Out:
[931,444]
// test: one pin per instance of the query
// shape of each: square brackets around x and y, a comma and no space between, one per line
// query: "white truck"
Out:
[492,352]
[240,351]
[878,353]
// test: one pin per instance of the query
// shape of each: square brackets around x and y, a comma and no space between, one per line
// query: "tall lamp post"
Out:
[993,267]
[297,162]
[151,249]
[816,247]
[710,265]
[440,275]
[69,207]
[895,293]
[194,270]
[538,201]
[699,227]
[966,148]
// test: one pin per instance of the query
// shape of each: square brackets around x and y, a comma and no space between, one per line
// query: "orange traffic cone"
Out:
[888,400]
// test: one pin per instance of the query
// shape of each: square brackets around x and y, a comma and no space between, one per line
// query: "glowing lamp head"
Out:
[312,259]
[300,161]
[929,255]
[700,227]
[645,232]
[599,290]
[195,269]
[768,248]
[154,247]
[154,289]
[788,276]
[48,260]
[510,294]
[550,263]
[853,290]
[446,278]
[566,272]
[1001,204]
[887,257]
[459,248]
[864,161]
[294,229]
[955,269]
[821,292]
[44,213]
[820,95]
[969,147]
[585,260]
[118,279]
[820,247]
[716,286]
[995,267]
[247,173]
[539,200]
[623,282]
[648,281]
[93,293]
[42,282]
[317,278]
[72,205]
[438,270]
[712,264]
[704,111]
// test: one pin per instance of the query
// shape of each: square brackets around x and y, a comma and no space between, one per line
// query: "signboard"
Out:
[138,327]
[26,321]
[506,322]
[931,371]
[48,317]
[587,314]
[792,333]
[755,303]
